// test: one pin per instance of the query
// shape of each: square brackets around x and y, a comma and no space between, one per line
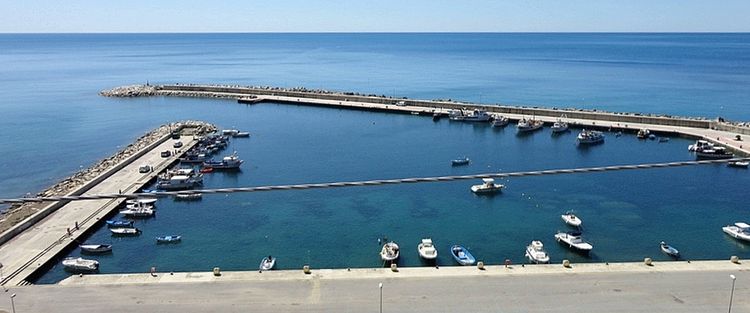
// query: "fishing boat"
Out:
[267,263]
[488,186]
[500,121]
[590,137]
[739,230]
[574,241]
[663,139]
[571,219]
[525,125]
[427,250]
[189,197]
[169,239]
[740,164]
[113,223]
[125,231]
[179,182]
[230,162]
[559,126]
[713,153]
[137,213]
[669,250]
[141,201]
[643,133]
[389,252]
[436,116]
[462,255]
[535,252]
[95,249]
[461,161]
[700,144]
[80,265]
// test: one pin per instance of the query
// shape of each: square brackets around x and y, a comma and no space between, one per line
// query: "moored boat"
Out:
[739,230]
[113,223]
[559,126]
[189,197]
[589,137]
[700,144]
[137,213]
[535,252]
[571,219]
[669,250]
[488,186]
[169,239]
[713,153]
[227,163]
[141,201]
[241,134]
[389,252]
[125,231]
[267,263]
[525,125]
[80,265]
[643,133]
[427,250]
[574,241]
[461,161]
[473,116]
[462,255]
[500,121]
[95,248]
[740,164]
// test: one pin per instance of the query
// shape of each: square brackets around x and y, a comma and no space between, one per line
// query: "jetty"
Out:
[56,226]
[718,131]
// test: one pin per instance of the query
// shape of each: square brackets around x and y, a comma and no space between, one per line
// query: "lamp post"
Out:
[381,297]
[731,295]
[12,303]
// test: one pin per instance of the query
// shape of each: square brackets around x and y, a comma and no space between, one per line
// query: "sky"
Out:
[84,16]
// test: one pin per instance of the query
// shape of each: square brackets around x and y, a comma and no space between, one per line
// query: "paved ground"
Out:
[495,290]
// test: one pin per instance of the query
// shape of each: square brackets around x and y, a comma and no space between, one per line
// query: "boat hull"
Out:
[462,255]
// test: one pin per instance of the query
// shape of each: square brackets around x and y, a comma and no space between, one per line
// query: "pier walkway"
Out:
[22,255]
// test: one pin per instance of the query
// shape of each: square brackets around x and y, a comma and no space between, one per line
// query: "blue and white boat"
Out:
[96,248]
[230,162]
[590,137]
[461,161]
[669,250]
[169,239]
[462,255]
[112,223]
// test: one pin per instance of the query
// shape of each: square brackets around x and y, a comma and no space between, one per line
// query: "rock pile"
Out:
[129,91]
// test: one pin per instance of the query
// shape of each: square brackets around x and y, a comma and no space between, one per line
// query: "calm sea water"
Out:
[54,123]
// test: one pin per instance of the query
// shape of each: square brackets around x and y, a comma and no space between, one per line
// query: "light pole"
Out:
[12,303]
[731,295]
[381,297]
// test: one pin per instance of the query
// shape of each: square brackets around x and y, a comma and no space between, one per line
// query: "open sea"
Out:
[53,123]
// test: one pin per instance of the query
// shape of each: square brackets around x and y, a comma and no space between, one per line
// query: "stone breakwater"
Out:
[129,91]
[17,213]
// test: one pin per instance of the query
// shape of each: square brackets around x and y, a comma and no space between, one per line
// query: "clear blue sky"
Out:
[374,16]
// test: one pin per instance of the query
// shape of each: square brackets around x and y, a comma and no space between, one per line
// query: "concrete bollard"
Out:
[394,267]
[480,265]
[648,262]
[735,259]
[306,269]
[566,263]
[217,271]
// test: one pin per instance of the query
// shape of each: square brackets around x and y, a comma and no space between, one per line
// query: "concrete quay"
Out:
[28,250]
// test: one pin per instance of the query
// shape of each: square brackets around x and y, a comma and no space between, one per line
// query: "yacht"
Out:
[80,265]
[228,162]
[389,252]
[739,231]
[643,133]
[499,121]
[488,186]
[427,250]
[574,241]
[535,252]
[525,125]
[571,219]
[588,137]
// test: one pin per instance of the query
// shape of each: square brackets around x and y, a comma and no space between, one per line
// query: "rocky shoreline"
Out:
[19,212]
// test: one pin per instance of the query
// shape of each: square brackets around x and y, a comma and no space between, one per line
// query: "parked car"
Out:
[177,144]
[166,154]
[145,168]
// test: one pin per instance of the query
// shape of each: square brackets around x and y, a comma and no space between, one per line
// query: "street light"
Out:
[12,303]
[381,297]
[731,295]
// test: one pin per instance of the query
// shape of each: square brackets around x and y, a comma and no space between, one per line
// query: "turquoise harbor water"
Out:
[54,123]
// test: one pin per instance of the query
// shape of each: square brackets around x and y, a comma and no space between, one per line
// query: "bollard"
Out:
[394,267]
[480,265]
[217,271]
[566,263]
[648,262]
[735,259]
[306,269]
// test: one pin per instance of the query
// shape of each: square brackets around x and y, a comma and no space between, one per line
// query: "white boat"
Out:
[588,137]
[427,250]
[559,126]
[535,252]
[228,162]
[488,186]
[125,231]
[169,239]
[461,161]
[739,231]
[643,133]
[141,201]
[700,144]
[574,241]
[241,134]
[189,197]
[79,265]
[741,164]
[267,263]
[230,132]
[92,248]
[474,116]
[138,206]
[669,250]
[500,121]
[389,252]
[137,212]
[525,125]
[179,182]
[713,153]
[571,219]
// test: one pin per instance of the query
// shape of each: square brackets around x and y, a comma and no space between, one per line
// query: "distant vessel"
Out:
[740,164]
[488,186]
[669,250]
[389,252]
[462,161]
[462,255]
[574,241]
[267,263]
[227,163]
[179,182]
[94,248]
[589,137]
[559,126]
[739,230]
[112,223]
[80,265]
[571,219]
[125,231]
[643,133]
[141,201]
[241,134]
[169,239]
[713,153]
[230,132]
[525,125]
[474,116]
[137,212]
[188,197]
[500,121]
[427,250]
[535,252]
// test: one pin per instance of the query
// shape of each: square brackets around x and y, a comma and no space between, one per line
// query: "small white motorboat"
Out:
[125,231]
[267,263]
[80,265]
[141,201]
[427,250]
[389,252]
[739,230]
[571,219]
[460,161]
[669,250]
[574,241]
[740,164]
[136,213]
[499,121]
[241,134]
[94,249]
[488,186]
[169,239]
[535,252]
